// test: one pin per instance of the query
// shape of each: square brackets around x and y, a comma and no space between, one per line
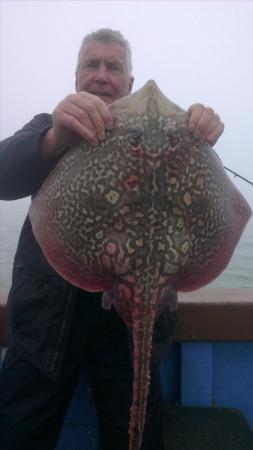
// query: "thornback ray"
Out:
[148,211]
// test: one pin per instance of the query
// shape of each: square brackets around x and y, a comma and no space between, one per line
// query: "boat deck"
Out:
[189,428]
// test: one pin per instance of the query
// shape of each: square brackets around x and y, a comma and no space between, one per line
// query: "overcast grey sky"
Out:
[197,51]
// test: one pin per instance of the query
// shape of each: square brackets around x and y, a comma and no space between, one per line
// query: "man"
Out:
[53,327]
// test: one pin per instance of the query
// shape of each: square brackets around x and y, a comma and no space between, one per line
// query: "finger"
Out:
[193,115]
[97,111]
[68,121]
[78,113]
[215,134]
[207,119]
[87,108]
[210,126]
[105,113]
[97,120]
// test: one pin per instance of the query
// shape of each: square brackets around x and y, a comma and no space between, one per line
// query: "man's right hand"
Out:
[79,115]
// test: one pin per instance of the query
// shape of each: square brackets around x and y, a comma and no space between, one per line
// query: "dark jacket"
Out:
[40,302]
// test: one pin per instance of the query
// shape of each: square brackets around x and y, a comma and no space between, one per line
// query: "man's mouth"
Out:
[102,94]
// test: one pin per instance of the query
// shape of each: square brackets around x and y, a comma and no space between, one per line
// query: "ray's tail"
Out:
[143,323]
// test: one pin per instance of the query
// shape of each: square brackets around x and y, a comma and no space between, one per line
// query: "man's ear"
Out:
[130,84]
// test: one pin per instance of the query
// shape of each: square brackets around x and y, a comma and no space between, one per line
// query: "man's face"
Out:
[103,72]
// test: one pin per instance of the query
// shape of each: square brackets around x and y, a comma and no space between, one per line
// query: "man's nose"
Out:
[101,74]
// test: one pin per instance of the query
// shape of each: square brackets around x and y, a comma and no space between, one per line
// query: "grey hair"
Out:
[106,36]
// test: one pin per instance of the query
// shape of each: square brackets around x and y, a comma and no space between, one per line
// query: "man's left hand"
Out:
[204,123]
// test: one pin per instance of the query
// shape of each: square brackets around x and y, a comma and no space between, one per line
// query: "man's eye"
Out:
[92,64]
[114,68]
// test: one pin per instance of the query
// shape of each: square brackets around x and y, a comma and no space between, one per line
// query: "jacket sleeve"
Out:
[22,170]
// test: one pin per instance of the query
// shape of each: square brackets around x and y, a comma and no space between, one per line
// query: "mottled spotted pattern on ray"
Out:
[147,210]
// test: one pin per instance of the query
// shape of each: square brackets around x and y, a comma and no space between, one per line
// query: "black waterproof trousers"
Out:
[32,407]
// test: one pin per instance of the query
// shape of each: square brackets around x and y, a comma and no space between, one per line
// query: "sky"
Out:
[196,51]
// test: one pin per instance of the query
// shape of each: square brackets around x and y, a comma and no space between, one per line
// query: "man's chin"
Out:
[106,98]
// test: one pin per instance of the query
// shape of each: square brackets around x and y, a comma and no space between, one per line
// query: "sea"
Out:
[238,274]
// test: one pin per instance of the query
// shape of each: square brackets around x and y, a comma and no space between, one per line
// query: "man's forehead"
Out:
[110,51]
